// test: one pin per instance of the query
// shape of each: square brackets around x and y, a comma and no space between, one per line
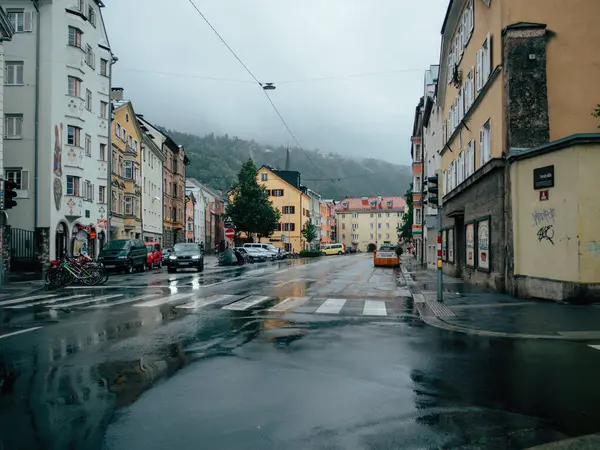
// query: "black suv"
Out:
[185,256]
[124,254]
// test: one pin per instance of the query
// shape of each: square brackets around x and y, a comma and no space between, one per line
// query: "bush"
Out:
[309,254]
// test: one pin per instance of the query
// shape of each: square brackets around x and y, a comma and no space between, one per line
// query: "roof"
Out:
[371,204]
[559,144]
[291,177]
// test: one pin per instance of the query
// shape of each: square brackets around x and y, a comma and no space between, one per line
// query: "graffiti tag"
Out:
[546,233]
[594,248]
[543,217]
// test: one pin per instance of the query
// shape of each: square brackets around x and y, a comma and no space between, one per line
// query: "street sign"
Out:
[544,195]
[229,233]
[543,177]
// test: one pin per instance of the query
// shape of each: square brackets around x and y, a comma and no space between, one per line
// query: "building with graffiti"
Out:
[56,98]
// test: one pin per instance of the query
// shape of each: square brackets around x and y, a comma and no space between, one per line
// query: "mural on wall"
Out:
[444,245]
[470,243]
[57,166]
[451,245]
[483,244]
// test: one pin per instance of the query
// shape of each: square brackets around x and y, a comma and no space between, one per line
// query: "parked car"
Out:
[269,248]
[253,254]
[154,254]
[186,256]
[124,254]
[333,249]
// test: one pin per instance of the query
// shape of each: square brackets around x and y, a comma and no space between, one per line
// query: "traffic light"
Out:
[9,194]
[432,191]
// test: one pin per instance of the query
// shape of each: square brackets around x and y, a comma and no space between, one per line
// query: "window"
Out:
[102,156]
[103,110]
[121,204]
[101,194]
[21,20]
[289,227]
[417,184]
[264,177]
[174,165]
[387,225]
[73,136]
[121,166]
[355,237]
[372,225]
[88,145]
[75,35]
[91,14]
[277,192]
[484,63]
[13,126]
[417,153]
[88,100]
[470,159]
[343,226]
[90,56]
[88,191]
[14,73]
[355,215]
[104,67]
[354,226]
[129,169]
[485,143]
[73,184]
[378,225]
[445,182]
[128,206]
[417,217]
[18,176]
[288,209]
[74,88]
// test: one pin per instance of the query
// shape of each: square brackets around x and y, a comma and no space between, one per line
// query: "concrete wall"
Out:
[557,241]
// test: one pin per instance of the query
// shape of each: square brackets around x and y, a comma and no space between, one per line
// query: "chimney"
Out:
[116,93]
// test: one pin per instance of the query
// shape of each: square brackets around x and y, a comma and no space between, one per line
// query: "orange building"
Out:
[190,207]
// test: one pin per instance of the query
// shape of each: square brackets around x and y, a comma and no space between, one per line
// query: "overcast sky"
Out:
[165,50]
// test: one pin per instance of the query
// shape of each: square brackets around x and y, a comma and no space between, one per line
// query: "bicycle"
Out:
[67,270]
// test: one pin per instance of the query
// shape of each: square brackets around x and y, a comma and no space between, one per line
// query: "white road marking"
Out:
[288,303]
[19,332]
[374,308]
[25,299]
[46,302]
[85,302]
[331,306]
[200,303]
[597,347]
[162,301]
[122,302]
[247,303]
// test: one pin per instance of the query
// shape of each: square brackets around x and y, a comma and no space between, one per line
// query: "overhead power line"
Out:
[348,176]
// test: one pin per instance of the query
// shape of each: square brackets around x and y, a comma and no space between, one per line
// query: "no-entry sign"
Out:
[229,233]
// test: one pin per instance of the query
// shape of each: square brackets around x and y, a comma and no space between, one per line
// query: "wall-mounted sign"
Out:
[444,245]
[470,244]
[543,177]
[544,195]
[451,245]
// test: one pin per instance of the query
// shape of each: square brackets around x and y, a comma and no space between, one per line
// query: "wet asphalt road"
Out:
[290,355]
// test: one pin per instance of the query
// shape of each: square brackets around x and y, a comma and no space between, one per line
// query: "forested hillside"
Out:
[215,161]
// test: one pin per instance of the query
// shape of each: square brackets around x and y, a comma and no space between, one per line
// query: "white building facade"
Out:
[152,191]
[194,187]
[6,32]
[315,216]
[58,76]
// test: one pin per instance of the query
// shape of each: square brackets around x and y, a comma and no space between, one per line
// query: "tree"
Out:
[309,231]
[407,219]
[249,207]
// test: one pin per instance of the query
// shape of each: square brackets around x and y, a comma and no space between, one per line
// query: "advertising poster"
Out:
[483,244]
[444,245]
[470,243]
[451,245]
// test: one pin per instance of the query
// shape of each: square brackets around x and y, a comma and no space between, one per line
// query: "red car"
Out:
[154,254]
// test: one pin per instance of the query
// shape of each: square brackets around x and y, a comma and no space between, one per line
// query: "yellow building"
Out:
[126,185]
[366,223]
[290,198]
[517,98]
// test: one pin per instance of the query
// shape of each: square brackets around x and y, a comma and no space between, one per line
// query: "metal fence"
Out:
[22,244]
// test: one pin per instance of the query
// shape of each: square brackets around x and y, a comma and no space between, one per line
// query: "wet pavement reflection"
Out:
[262,359]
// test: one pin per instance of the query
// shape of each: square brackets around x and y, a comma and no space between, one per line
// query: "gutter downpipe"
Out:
[113,60]
[36,145]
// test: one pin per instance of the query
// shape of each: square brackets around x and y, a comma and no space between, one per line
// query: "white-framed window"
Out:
[81,7]
[444,132]
[418,217]
[114,202]
[104,67]
[88,100]
[90,56]
[91,14]
[104,110]
[485,143]
[461,167]
[354,226]
[88,145]
[74,86]
[264,177]
[128,206]
[88,191]
[454,173]
[470,159]
[101,194]
[75,37]
[73,185]
[18,176]
[13,75]
[13,126]
[417,184]
[484,63]
[129,169]
[73,136]
[417,153]
[21,20]
[119,131]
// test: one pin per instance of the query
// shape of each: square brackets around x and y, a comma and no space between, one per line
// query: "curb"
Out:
[437,322]
[587,442]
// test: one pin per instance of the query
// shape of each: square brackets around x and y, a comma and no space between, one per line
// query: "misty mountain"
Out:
[215,161]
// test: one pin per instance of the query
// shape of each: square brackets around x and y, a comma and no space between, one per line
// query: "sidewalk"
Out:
[470,309]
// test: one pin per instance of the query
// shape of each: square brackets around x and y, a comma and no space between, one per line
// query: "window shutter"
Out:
[487,62]
[481,147]
[471,18]
[472,86]
[19,74]
[478,73]
[28,21]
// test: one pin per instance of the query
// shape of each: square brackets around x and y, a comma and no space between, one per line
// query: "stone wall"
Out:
[482,194]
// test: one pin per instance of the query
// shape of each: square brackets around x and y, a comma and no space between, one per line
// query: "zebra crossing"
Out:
[190,302]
